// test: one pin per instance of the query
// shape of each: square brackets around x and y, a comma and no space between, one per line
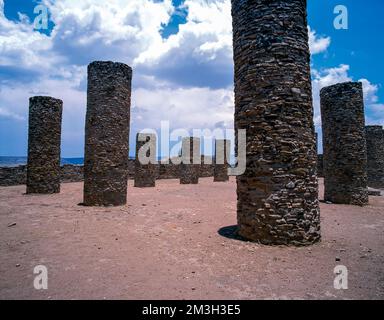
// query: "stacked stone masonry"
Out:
[319,159]
[344,144]
[221,160]
[278,194]
[320,165]
[44,141]
[375,156]
[13,176]
[107,134]
[145,174]
[191,161]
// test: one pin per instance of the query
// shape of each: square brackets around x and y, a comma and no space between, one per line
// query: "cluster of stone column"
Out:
[278,194]
[107,134]
[44,142]
[344,144]
[145,162]
[375,156]
[222,148]
[190,161]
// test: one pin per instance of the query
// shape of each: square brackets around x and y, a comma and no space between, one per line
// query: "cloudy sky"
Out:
[181,52]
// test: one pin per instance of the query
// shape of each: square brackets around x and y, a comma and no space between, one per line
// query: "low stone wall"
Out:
[13,176]
[72,173]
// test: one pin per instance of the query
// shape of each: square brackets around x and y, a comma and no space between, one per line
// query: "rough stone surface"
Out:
[320,165]
[145,174]
[344,144]
[189,169]
[107,134]
[278,193]
[72,173]
[375,156]
[374,192]
[44,142]
[13,176]
[221,161]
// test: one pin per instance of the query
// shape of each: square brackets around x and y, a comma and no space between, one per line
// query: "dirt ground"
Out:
[174,242]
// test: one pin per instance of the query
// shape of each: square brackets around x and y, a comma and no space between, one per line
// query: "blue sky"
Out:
[182,59]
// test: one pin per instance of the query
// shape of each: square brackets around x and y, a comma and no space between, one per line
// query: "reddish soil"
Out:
[165,244]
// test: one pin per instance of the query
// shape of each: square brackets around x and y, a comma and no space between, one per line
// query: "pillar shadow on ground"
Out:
[230,232]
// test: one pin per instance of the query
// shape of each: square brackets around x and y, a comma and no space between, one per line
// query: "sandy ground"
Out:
[168,243]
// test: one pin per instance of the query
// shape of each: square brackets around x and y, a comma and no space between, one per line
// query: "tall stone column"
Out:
[278,193]
[191,161]
[375,155]
[320,166]
[44,142]
[345,151]
[107,134]
[145,166]
[221,160]
[319,158]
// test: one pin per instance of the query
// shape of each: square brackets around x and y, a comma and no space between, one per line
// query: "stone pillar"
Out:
[278,193]
[191,161]
[107,134]
[320,166]
[221,160]
[375,155]
[320,173]
[145,162]
[345,152]
[44,142]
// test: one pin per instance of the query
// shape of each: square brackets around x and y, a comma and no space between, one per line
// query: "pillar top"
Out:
[222,139]
[110,65]
[343,86]
[44,98]
[190,138]
[374,127]
[147,134]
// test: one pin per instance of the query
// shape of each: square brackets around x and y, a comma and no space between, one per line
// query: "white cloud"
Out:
[5,113]
[370,92]
[189,108]
[101,30]
[374,110]
[317,44]
[21,46]
[324,78]
[376,116]
[186,78]
[207,31]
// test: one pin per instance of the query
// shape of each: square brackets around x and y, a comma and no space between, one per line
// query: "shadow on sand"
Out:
[230,232]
